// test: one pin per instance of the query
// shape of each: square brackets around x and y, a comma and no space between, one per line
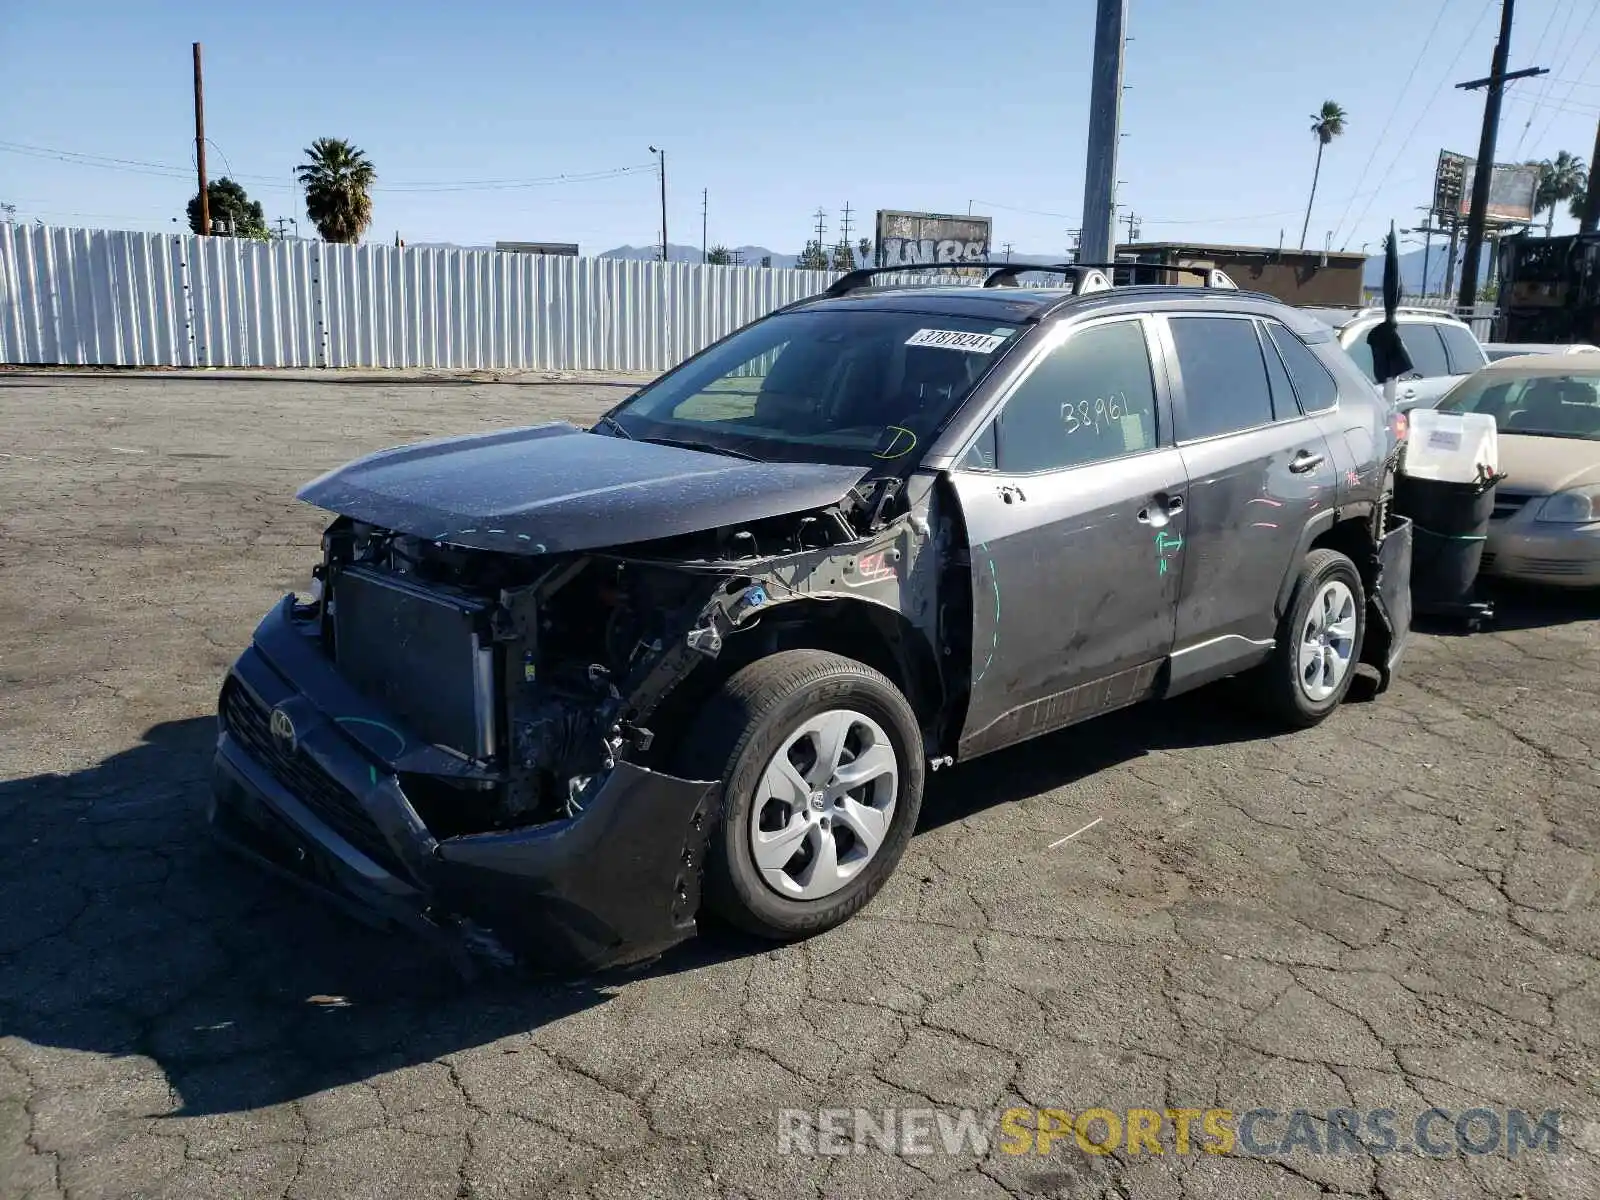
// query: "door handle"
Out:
[1160,508]
[1305,461]
[1010,493]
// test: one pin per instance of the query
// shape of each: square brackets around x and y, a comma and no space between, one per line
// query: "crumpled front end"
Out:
[314,779]
[480,743]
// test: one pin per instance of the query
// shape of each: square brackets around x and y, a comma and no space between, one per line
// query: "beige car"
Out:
[1546,523]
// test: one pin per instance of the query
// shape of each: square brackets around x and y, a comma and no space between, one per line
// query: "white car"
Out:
[1498,350]
[1443,349]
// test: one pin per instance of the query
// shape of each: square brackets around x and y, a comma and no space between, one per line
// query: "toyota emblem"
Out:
[282,729]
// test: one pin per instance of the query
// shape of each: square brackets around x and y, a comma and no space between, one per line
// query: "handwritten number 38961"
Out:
[1094,415]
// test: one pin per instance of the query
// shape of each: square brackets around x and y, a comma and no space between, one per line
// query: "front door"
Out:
[1259,472]
[1073,499]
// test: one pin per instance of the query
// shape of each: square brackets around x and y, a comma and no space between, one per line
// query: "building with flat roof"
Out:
[1293,276]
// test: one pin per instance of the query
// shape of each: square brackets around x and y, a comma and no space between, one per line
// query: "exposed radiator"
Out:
[417,653]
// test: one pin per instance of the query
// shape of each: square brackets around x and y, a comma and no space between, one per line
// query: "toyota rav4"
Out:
[551,690]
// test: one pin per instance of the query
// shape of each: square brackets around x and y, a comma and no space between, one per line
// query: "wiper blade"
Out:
[708,447]
[611,422]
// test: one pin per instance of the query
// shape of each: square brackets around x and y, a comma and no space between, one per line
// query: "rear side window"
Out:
[1312,383]
[1224,376]
[1426,350]
[1461,349]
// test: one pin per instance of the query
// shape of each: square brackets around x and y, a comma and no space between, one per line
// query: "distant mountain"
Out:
[1411,270]
[752,255]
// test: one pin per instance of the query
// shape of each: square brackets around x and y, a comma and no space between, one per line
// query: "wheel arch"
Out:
[1330,530]
[869,632]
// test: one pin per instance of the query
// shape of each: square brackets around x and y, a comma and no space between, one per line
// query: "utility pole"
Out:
[705,208]
[1006,246]
[1590,219]
[283,224]
[662,155]
[1483,174]
[822,222]
[844,226]
[200,142]
[1455,251]
[1427,229]
[1133,226]
[1099,236]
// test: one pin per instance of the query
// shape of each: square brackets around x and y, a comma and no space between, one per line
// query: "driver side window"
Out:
[1090,399]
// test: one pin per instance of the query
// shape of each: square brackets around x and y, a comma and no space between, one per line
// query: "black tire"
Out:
[1278,691]
[735,737]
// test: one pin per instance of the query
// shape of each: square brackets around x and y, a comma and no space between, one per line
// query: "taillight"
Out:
[1399,425]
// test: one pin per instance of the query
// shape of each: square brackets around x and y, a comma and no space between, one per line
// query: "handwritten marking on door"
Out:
[1166,542]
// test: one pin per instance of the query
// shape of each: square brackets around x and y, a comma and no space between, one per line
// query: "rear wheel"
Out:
[820,761]
[1318,643]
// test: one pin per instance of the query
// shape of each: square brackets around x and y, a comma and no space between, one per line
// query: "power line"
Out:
[1421,116]
[1383,132]
[1572,48]
[1545,84]
[1574,108]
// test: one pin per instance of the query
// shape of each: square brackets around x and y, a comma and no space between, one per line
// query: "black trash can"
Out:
[1451,523]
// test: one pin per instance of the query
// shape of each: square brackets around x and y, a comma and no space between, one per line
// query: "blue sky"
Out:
[777,109]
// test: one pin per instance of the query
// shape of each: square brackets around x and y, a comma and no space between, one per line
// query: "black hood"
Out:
[553,488]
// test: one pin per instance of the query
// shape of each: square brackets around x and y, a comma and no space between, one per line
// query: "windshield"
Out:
[1535,405]
[858,387]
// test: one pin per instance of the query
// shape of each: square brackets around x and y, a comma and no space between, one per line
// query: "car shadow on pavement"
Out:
[1210,716]
[1516,606]
[1525,606]
[129,932]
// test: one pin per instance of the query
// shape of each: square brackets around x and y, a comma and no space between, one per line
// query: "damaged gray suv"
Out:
[553,689]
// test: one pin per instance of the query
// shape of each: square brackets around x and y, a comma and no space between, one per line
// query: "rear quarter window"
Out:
[1461,349]
[1312,383]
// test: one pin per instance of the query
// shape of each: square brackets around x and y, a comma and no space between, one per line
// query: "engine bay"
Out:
[583,647]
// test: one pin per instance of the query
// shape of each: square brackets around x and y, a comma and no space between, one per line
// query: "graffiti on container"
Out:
[905,238]
[899,252]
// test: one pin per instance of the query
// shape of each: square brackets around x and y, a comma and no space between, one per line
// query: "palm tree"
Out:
[338,180]
[1327,124]
[1559,180]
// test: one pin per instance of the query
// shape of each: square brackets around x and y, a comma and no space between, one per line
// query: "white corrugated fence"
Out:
[84,297]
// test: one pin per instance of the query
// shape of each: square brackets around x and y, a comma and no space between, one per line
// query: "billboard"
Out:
[1512,189]
[914,237]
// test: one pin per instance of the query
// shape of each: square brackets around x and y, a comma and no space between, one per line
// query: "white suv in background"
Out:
[1443,349]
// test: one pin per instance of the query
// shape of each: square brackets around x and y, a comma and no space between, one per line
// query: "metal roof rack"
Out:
[1089,277]
[1367,310]
[1213,277]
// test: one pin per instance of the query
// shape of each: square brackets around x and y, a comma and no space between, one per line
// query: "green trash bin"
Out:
[1451,524]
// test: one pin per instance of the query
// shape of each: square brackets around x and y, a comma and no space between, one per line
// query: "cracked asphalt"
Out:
[1396,909]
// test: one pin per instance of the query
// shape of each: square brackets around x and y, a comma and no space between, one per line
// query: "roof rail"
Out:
[1362,310]
[1091,277]
[1213,277]
[861,276]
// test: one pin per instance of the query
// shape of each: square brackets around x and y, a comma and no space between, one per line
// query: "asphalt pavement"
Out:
[1164,909]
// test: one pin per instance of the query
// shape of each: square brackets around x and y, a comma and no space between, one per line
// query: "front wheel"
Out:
[1318,643]
[822,783]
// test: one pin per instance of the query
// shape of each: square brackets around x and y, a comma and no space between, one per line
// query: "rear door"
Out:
[1073,498]
[1258,468]
[1430,376]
